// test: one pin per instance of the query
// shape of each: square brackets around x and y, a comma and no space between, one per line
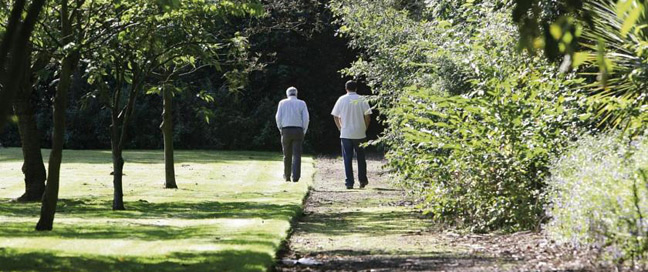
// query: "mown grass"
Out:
[231,213]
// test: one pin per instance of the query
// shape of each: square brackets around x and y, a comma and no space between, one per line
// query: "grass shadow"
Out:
[98,223]
[140,232]
[98,211]
[94,208]
[227,260]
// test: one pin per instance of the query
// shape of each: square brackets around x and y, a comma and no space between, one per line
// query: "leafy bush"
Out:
[482,160]
[598,194]
[474,132]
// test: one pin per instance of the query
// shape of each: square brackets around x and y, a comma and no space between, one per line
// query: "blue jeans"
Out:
[348,147]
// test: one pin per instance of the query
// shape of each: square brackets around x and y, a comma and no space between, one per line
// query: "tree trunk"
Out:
[12,49]
[68,65]
[118,137]
[48,209]
[33,167]
[167,132]
[9,38]
[118,167]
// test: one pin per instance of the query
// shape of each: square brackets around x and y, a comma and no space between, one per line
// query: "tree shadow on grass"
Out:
[226,260]
[98,222]
[211,233]
[95,208]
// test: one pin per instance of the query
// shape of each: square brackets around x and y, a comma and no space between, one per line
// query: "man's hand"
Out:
[367,119]
[338,122]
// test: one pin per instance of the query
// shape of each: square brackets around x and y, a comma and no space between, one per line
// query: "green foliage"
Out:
[483,160]
[253,59]
[608,36]
[472,124]
[549,25]
[616,47]
[598,195]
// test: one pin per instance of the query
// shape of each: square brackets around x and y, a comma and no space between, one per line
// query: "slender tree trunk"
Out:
[118,137]
[48,208]
[33,167]
[118,165]
[68,65]
[167,132]
[118,197]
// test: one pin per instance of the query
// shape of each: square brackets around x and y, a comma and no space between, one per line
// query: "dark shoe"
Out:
[363,184]
[295,180]
[288,180]
[349,187]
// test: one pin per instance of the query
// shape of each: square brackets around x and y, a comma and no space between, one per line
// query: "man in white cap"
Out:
[292,121]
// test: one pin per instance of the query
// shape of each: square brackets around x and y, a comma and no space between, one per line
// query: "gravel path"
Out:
[375,229]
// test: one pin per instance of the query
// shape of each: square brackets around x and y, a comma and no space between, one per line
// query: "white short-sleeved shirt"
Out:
[351,109]
[292,112]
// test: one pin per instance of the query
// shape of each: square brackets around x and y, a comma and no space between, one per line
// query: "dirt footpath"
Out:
[376,229]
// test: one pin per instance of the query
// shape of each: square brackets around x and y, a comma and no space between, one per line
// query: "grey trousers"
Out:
[291,142]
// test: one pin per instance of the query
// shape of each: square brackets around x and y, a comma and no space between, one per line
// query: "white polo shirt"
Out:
[351,109]
[292,112]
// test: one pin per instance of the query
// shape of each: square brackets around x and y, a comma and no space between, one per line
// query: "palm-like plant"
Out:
[617,43]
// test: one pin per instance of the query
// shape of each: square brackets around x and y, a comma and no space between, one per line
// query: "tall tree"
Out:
[78,30]
[227,50]
[68,65]
[128,58]
[13,47]
[33,168]
[163,36]
[167,134]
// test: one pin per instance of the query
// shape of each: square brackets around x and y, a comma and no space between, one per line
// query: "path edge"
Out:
[284,247]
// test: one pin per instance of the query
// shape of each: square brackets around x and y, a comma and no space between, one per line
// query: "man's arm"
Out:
[338,122]
[305,118]
[278,117]
[367,119]
[367,113]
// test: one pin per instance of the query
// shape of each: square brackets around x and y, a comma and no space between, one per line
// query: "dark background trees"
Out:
[90,80]
[294,45]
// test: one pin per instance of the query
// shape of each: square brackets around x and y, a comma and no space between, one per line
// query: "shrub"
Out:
[598,195]
[482,161]
[475,131]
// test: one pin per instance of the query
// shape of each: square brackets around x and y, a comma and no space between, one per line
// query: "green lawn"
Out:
[231,213]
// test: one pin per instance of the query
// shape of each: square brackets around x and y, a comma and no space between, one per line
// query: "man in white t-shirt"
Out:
[352,115]
[292,121]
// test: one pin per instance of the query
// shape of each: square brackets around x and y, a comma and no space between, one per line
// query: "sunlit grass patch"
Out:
[231,212]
